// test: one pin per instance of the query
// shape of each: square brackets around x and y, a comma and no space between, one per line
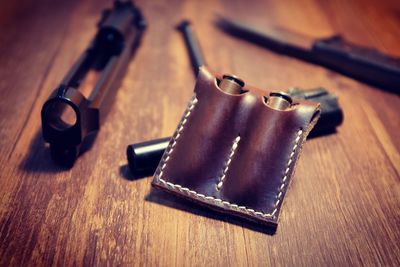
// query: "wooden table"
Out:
[343,207]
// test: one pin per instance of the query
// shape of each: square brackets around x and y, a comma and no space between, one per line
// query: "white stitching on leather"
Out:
[288,165]
[170,148]
[211,198]
[228,162]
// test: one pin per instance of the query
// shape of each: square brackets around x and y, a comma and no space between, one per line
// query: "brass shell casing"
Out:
[279,100]
[231,84]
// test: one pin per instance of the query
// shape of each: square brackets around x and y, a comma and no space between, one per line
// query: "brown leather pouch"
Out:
[233,153]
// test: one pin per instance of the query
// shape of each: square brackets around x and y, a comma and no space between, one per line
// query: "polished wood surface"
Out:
[343,207]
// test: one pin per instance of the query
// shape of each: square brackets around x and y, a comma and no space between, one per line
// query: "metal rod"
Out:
[192,43]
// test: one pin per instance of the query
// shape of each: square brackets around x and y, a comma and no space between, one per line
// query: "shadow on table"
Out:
[126,173]
[38,157]
[172,201]
[322,133]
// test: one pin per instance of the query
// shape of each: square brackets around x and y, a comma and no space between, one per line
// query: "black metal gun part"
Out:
[365,64]
[69,117]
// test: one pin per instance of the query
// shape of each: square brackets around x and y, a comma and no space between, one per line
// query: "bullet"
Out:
[231,84]
[279,100]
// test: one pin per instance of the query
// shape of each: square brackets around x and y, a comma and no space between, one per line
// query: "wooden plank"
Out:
[342,208]
[30,43]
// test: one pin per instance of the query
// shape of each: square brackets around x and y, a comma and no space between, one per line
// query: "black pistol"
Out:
[68,116]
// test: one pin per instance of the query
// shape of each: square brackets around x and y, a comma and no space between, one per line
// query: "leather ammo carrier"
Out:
[233,153]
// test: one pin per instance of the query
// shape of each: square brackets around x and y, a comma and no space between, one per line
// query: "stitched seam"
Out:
[175,138]
[285,176]
[228,162]
[178,187]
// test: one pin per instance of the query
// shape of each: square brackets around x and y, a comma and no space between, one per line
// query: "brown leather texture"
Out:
[233,153]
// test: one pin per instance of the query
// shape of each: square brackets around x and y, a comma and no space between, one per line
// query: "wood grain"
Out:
[343,207]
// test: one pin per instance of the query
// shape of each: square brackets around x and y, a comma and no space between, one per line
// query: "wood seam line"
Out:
[367,110]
